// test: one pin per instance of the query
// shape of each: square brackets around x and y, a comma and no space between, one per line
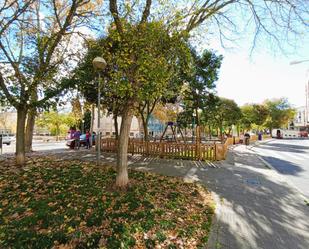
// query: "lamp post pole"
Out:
[99,123]
[99,64]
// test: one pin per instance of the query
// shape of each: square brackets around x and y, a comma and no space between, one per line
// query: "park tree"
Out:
[280,113]
[144,70]
[184,18]
[77,112]
[36,40]
[56,123]
[260,113]
[198,95]
[208,114]
[226,114]
[248,117]
[168,95]
[140,69]
[253,114]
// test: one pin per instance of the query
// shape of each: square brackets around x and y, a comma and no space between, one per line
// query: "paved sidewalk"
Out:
[256,207]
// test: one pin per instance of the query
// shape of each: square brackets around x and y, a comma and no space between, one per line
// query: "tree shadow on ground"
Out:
[283,166]
[256,208]
[260,211]
[285,147]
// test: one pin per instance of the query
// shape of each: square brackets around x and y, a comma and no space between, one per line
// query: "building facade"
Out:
[301,119]
[8,120]
[107,127]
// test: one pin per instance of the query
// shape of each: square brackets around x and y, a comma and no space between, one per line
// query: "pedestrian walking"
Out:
[247,138]
[87,139]
[77,139]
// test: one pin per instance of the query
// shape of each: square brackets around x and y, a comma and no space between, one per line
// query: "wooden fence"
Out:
[193,151]
[222,149]
[165,149]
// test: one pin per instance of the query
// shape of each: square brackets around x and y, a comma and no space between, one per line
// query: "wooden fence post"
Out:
[161,149]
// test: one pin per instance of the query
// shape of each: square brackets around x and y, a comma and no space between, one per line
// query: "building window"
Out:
[107,133]
[131,134]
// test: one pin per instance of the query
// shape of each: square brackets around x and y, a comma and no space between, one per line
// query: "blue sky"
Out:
[253,78]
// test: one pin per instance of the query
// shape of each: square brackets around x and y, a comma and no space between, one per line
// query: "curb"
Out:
[267,164]
[257,143]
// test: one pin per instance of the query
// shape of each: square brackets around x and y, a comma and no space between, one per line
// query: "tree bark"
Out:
[30,123]
[30,129]
[20,135]
[198,128]
[116,126]
[145,128]
[122,178]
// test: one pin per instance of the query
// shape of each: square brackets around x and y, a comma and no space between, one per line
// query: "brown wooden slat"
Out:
[169,150]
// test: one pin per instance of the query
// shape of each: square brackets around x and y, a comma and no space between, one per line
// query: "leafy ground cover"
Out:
[69,204]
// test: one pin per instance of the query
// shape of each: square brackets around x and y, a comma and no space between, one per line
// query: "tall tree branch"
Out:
[15,16]
[114,10]
[146,11]
[67,23]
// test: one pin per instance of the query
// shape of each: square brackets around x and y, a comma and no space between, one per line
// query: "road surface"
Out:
[290,157]
[38,145]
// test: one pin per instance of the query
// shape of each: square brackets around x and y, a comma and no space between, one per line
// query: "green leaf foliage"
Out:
[280,113]
[198,92]
[140,66]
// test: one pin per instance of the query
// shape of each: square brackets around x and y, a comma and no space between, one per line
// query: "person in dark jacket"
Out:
[77,139]
[87,139]
[247,138]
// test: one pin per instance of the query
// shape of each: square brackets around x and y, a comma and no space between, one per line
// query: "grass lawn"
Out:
[54,204]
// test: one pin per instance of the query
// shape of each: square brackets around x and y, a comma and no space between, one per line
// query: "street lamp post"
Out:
[99,64]
[83,126]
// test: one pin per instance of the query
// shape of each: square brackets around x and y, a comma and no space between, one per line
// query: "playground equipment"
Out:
[173,126]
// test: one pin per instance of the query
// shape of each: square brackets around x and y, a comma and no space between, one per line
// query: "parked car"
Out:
[70,142]
[82,140]
[282,133]
[6,139]
[303,133]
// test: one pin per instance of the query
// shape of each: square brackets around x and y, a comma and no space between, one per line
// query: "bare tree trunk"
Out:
[116,126]
[30,129]
[145,128]
[198,128]
[20,135]
[91,124]
[122,178]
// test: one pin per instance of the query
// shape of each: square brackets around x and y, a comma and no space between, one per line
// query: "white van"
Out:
[281,133]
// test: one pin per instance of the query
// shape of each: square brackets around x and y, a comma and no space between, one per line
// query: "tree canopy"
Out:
[280,113]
